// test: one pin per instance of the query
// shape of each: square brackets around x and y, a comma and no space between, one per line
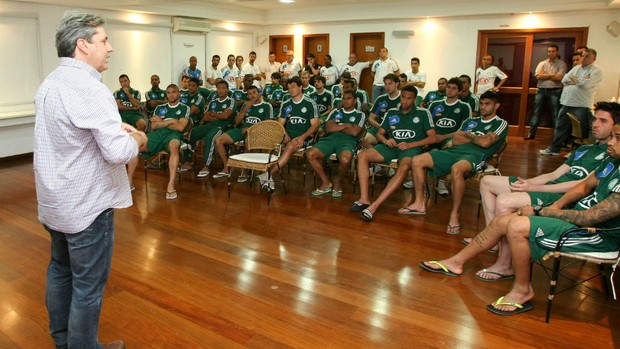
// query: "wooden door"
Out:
[318,45]
[366,46]
[279,44]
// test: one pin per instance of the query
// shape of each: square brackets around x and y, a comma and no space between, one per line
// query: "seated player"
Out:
[436,95]
[323,99]
[128,102]
[344,127]
[383,103]
[338,88]
[219,114]
[155,96]
[274,92]
[501,194]
[475,142]
[167,125]
[307,89]
[403,133]
[300,117]
[253,111]
[533,231]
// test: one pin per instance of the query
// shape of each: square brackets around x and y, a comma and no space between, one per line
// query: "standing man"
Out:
[192,71]
[80,151]
[252,69]
[580,84]
[380,68]
[354,67]
[329,72]
[549,74]
[291,67]
[213,74]
[486,76]
[230,73]
[272,67]
[416,76]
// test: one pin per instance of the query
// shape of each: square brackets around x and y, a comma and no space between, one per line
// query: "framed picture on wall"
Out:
[284,48]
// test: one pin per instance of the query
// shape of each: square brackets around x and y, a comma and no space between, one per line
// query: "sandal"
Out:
[202,174]
[366,215]
[453,229]
[336,193]
[220,175]
[171,195]
[358,206]
[321,192]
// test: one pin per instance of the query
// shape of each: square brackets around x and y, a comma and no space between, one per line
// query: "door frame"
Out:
[305,47]
[272,42]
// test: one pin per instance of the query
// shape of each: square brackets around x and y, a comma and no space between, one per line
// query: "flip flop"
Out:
[202,174]
[358,206]
[519,308]
[171,195]
[336,193]
[453,229]
[366,215]
[410,211]
[321,192]
[467,241]
[443,270]
[220,175]
[501,277]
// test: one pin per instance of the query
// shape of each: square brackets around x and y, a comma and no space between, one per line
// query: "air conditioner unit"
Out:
[190,25]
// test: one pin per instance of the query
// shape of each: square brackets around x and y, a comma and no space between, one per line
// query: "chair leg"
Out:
[229,183]
[552,284]
[282,179]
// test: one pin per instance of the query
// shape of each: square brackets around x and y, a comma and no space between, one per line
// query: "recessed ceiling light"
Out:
[287,1]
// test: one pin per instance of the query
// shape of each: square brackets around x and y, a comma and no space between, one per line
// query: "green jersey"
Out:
[167,111]
[472,100]
[583,161]
[341,117]
[410,127]
[323,100]
[337,91]
[219,106]
[384,103]
[298,115]
[480,127]
[206,93]
[448,118]
[433,96]
[257,113]
[199,102]
[241,96]
[609,182]
[308,90]
[270,89]
[122,96]
[183,94]
[151,95]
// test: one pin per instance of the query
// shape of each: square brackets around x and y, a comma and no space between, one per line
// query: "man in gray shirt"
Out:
[80,151]
[580,84]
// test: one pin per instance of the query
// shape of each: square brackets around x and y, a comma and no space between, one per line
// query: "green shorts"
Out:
[373,131]
[131,119]
[335,145]
[539,198]
[443,160]
[390,154]
[160,139]
[236,134]
[545,233]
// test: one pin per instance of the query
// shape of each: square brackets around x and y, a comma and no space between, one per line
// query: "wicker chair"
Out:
[599,258]
[263,136]
[577,133]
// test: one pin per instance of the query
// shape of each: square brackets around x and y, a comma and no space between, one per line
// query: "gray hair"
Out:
[73,26]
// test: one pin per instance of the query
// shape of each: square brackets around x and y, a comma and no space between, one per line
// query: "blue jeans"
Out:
[551,95]
[377,91]
[76,278]
[562,131]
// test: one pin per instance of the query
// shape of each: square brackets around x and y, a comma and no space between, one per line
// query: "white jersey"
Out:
[355,70]
[214,73]
[486,78]
[270,69]
[230,75]
[383,68]
[253,70]
[419,76]
[290,69]
[330,74]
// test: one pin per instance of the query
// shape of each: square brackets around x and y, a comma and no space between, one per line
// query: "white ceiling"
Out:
[267,12]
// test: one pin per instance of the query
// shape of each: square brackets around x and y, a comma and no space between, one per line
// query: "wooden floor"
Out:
[206,271]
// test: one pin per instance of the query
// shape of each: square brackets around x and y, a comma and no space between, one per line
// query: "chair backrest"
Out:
[576,125]
[496,157]
[264,135]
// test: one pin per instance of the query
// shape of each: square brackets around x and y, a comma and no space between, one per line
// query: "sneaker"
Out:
[408,184]
[268,184]
[441,188]
[391,172]
[375,169]
[548,151]
[263,178]
[184,146]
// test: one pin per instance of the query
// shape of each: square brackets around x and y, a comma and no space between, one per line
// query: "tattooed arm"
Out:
[579,191]
[601,212]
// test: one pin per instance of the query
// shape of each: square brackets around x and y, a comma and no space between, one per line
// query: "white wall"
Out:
[144,45]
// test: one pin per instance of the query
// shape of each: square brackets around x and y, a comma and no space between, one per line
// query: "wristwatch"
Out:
[537,209]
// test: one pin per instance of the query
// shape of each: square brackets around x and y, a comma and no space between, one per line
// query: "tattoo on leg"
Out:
[481,239]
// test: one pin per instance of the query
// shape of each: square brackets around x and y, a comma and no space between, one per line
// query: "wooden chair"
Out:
[267,136]
[576,133]
[601,259]
[472,183]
